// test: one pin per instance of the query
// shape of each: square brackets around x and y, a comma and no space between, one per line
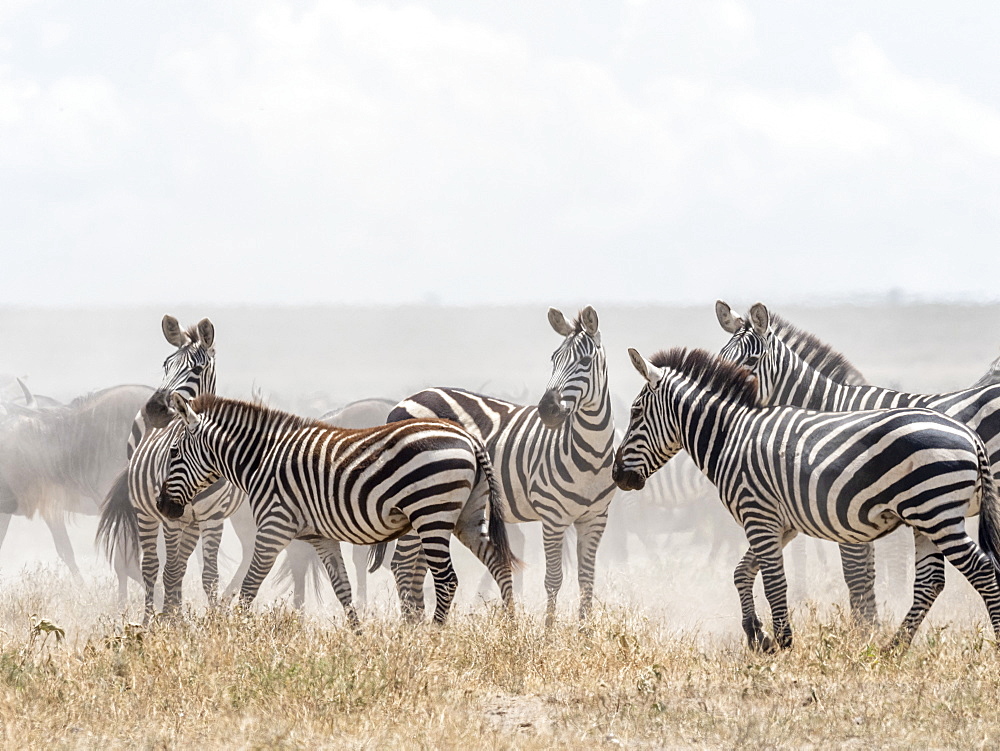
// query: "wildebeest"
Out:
[63,459]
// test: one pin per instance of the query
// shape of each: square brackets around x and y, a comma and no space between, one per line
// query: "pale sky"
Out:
[350,152]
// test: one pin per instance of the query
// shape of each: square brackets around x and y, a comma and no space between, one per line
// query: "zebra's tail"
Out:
[989,508]
[497,531]
[376,556]
[119,525]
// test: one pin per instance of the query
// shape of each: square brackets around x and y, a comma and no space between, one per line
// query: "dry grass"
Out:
[278,679]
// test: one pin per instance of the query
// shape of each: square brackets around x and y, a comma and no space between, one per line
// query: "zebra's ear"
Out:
[730,322]
[173,333]
[558,322]
[588,317]
[206,332]
[183,408]
[760,319]
[646,369]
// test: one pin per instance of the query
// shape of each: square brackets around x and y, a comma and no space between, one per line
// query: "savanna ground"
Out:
[661,664]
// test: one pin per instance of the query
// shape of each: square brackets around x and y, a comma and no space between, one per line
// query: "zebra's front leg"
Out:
[149,529]
[588,538]
[928,581]
[333,560]
[858,563]
[211,539]
[767,544]
[552,539]
[744,577]
[180,542]
[409,569]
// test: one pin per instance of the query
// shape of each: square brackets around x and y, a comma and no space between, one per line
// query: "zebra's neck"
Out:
[787,379]
[239,437]
[593,423]
[705,420]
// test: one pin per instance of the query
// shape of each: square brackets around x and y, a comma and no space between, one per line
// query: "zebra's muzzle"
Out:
[626,479]
[551,410]
[170,509]
[157,412]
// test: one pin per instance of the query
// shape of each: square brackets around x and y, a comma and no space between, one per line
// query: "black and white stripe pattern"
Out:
[846,477]
[553,459]
[857,561]
[311,481]
[190,371]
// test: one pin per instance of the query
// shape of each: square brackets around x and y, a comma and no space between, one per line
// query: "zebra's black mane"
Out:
[816,353]
[577,323]
[711,372]
[208,401]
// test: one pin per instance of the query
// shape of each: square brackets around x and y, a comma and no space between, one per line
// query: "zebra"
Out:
[846,477]
[554,459]
[857,561]
[130,517]
[307,480]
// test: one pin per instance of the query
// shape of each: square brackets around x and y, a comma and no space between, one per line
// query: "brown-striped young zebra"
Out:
[307,480]
[840,476]
[553,459]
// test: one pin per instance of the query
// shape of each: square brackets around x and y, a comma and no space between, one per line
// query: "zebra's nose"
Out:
[551,409]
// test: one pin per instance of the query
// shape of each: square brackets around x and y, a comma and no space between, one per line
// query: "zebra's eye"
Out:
[585,361]
[196,370]
[174,452]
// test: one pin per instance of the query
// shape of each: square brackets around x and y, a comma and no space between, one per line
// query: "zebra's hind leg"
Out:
[333,560]
[180,543]
[474,537]
[588,538]
[211,539]
[858,563]
[409,569]
[553,538]
[928,581]
[435,543]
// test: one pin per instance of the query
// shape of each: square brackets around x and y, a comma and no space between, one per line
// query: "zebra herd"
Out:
[778,425]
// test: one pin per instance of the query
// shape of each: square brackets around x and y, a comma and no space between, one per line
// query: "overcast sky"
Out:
[497,152]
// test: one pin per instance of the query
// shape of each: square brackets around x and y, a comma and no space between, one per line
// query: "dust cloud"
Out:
[666,558]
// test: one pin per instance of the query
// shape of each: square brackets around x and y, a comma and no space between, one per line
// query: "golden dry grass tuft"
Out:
[278,679]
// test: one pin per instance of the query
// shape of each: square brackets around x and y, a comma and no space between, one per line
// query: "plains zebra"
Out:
[308,480]
[857,561]
[130,508]
[553,459]
[846,477]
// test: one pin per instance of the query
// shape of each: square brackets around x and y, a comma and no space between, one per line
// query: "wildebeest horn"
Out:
[29,398]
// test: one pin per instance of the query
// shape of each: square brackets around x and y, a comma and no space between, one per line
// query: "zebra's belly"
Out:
[357,529]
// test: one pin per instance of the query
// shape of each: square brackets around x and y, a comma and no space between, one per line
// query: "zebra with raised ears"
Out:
[129,517]
[308,480]
[845,477]
[553,459]
[857,561]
